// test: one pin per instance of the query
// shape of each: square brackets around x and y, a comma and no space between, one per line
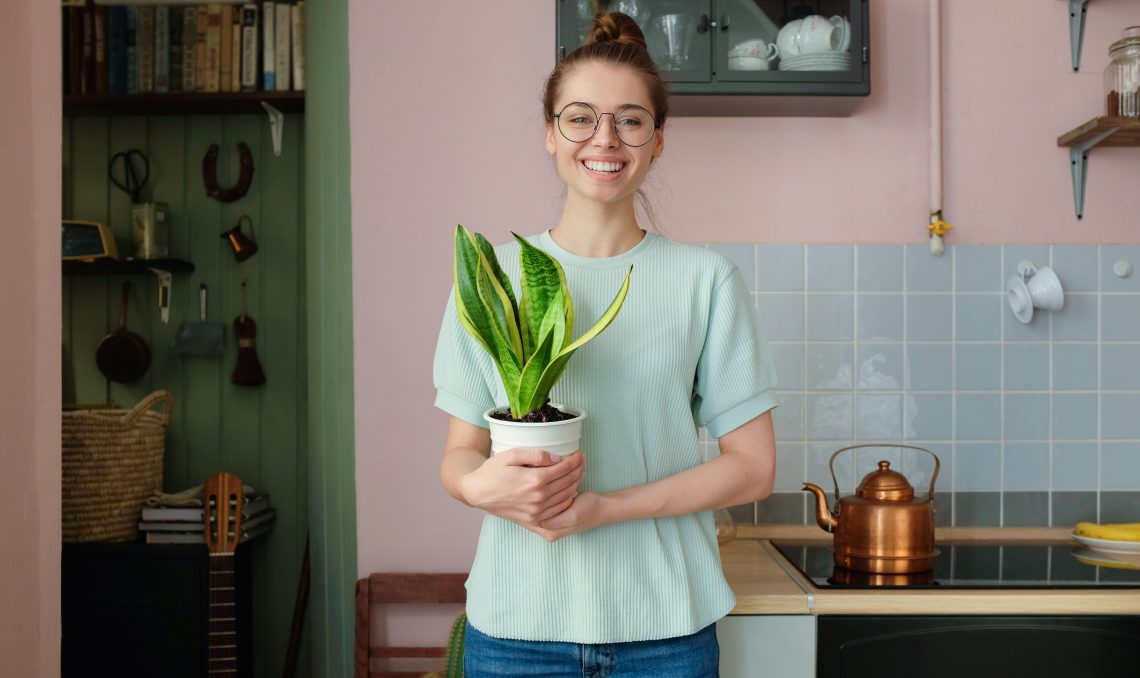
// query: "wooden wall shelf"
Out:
[183,103]
[126,266]
[1102,131]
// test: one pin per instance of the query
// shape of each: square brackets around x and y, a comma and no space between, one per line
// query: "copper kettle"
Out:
[882,528]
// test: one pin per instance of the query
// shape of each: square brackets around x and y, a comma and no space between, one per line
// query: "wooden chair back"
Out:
[400,588]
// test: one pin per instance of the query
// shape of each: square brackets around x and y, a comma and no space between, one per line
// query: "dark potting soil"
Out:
[544,414]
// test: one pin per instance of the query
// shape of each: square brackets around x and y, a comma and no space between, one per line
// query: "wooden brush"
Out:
[248,371]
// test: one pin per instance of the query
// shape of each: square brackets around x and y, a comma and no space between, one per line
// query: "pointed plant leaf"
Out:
[542,276]
[467,301]
[549,339]
[488,252]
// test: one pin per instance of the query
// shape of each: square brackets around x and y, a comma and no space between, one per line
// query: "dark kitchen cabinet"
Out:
[693,41]
[138,610]
[866,646]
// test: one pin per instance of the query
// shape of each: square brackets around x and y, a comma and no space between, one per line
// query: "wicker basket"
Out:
[112,461]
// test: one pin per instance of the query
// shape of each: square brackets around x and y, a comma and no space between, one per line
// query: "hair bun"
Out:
[616,27]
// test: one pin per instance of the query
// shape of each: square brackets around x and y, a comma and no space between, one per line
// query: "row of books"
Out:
[215,47]
[184,525]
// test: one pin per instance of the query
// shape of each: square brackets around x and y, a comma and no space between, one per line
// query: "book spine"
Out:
[189,49]
[281,47]
[213,47]
[250,49]
[225,47]
[145,39]
[200,49]
[235,50]
[87,67]
[162,48]
[100,28]
[175,79]
[268,58]
[298,40]
[132,50]
[117,50]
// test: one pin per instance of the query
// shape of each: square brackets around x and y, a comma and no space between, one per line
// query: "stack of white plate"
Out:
[824,61]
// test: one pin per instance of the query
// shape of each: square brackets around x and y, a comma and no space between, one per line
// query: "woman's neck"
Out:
[597,230]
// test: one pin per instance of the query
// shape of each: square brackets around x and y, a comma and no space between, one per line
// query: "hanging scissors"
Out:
[124,172]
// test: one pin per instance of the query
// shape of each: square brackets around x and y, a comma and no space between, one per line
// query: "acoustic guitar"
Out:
[222,501]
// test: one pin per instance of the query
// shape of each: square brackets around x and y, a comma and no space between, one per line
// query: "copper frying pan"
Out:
[123,356]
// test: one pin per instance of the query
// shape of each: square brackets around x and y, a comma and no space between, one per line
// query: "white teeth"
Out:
[603,166]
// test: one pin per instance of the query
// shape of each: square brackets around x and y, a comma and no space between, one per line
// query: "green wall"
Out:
[332,453]
[259,433]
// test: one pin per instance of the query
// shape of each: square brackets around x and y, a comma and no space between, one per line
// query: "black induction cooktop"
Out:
[976,566]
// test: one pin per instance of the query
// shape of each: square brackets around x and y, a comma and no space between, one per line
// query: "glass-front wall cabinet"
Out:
[746,57]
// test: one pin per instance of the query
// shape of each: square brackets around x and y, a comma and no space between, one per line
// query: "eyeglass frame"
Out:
[597,125]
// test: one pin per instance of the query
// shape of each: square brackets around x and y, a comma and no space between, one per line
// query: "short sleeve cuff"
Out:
[460,408]
[741,414]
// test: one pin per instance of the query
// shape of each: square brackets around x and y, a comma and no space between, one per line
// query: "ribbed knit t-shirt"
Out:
[684,352]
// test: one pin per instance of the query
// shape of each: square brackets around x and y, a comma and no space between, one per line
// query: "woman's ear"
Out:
[659,143]
[550,138]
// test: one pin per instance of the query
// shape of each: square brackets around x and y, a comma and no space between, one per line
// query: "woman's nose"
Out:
[606,135]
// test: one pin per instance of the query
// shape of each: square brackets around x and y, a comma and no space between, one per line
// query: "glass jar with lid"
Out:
[1122,75]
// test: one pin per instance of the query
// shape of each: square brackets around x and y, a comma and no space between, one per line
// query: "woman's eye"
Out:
[630,122]
[581,120]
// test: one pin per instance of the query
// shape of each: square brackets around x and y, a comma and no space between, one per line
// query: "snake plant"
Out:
[530,342]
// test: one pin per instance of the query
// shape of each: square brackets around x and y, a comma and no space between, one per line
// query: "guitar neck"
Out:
[222,643]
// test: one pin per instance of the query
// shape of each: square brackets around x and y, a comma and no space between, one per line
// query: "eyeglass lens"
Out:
[578,122]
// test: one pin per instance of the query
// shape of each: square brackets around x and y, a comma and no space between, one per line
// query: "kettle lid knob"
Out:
[885,484]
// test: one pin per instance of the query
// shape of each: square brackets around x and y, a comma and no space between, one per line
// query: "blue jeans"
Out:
[694,656]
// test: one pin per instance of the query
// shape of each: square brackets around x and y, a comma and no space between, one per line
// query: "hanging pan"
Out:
[123,356]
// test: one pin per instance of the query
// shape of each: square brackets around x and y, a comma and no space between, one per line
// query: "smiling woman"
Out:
[605,561]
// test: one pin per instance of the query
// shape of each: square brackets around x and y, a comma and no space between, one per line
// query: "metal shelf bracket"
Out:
[1077,10]
[1079,159]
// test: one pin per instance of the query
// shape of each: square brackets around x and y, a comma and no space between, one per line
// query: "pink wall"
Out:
[419,167]
[30,340]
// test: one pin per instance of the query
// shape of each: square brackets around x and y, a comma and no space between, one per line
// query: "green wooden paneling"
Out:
[332,456]
[259,433]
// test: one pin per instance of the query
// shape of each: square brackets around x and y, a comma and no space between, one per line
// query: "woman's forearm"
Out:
[458,462]
[744,472]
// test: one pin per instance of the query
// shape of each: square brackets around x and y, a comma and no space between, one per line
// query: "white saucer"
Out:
[1016,287]
[1109,545]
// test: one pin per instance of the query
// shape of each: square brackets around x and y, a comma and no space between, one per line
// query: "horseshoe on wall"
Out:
[210,174]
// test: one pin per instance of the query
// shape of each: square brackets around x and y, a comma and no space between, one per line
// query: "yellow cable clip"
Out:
[937,226]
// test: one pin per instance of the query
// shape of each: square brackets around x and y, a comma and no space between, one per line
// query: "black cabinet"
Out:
[865,646]
[697,45]
[138,610]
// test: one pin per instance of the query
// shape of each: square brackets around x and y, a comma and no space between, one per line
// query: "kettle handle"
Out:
[933,477]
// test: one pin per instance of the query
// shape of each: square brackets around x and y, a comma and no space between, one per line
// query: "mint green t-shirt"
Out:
[684,352]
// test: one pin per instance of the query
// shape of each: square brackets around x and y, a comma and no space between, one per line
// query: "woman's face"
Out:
[602,168]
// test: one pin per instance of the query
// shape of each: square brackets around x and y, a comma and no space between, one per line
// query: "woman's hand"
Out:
[583,514]
[525,486]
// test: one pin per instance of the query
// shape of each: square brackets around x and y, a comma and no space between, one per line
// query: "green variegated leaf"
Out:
[467,302]
[549,339]
[488,251]
[542,277]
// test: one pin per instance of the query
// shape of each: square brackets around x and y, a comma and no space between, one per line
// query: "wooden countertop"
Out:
[766,584]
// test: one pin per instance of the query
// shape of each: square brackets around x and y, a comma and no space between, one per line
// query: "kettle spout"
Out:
[822,516]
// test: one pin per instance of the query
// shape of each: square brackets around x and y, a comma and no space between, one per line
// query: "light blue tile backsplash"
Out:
[886,343]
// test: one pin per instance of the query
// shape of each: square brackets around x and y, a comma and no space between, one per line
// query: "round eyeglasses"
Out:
[579,122]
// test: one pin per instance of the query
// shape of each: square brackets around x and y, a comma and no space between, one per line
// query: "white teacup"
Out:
[752,55]
[818,34]
[1045,290]
[844,28]
[787,41]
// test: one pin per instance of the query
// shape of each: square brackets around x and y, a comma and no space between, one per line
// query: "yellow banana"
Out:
[1112,531]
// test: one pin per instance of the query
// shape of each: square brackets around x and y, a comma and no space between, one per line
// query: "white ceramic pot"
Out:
[556,437]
